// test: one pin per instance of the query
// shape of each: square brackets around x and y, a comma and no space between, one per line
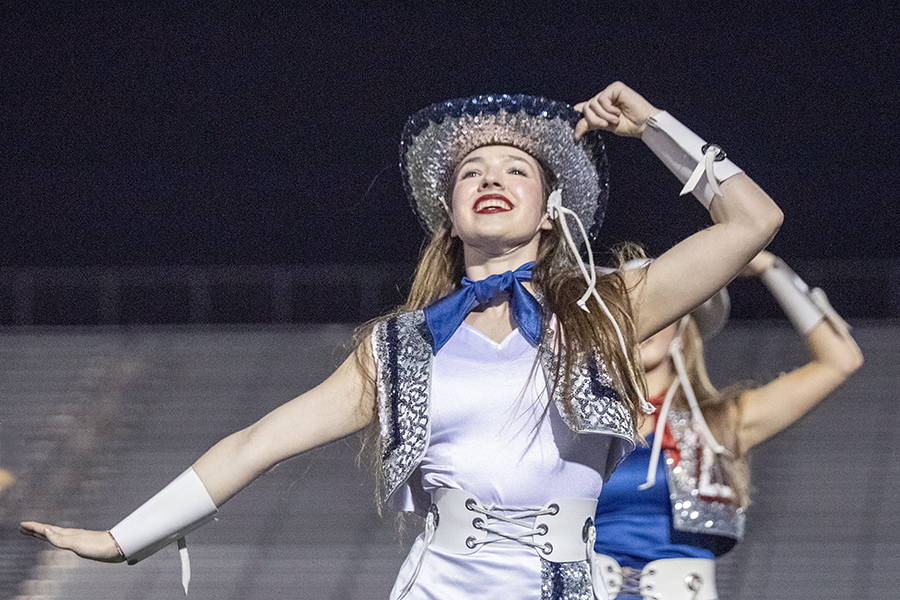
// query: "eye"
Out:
[518,171]
[467,174]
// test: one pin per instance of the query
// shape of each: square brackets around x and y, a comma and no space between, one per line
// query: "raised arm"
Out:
[744,217]
[341,405]
[835,356]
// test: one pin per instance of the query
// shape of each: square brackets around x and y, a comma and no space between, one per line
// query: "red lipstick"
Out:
[492,203]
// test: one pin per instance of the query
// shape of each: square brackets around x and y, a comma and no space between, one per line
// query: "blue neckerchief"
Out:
[446,315]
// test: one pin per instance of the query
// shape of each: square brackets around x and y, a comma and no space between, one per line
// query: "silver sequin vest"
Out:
[403,356]
[702,501]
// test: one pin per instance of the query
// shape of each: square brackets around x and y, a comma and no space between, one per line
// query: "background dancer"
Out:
[677,503]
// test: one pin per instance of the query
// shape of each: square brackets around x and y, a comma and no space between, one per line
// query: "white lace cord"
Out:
[595,571]
[658,435]
[696,413]
[704,166]
[185,564]
[429,536]
[513,519]
[558,213]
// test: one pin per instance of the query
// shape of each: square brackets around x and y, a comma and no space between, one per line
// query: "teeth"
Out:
[492,203]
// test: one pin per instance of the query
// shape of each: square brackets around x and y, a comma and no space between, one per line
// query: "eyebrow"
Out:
[508,157]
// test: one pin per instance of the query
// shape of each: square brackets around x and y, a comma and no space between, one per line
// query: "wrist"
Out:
[178,509]
[119,553]
[805,308]
[699,165]
[646,121]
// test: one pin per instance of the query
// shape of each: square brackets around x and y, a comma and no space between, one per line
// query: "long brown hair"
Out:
[558,280]
[721,410]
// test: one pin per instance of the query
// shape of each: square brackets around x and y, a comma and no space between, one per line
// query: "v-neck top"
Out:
[492,433]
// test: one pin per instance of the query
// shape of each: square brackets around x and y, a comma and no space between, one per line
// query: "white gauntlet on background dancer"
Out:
[698,165]
[180,508]
[805,307]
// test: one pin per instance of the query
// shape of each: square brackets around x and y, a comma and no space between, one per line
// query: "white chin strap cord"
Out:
[696,414]
[430,528]
[558,213]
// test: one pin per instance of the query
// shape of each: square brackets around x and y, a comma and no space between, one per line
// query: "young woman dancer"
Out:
[506,389]
[673,506]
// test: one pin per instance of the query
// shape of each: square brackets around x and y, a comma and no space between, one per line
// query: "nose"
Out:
[490,179]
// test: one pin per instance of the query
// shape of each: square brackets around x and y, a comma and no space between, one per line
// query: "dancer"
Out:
[505,390]
[675,505]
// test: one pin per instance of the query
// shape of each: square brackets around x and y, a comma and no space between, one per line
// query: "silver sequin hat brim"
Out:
[438,137]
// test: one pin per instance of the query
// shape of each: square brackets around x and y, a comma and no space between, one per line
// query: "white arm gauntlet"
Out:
[688,157]
[181,507]
[805,307]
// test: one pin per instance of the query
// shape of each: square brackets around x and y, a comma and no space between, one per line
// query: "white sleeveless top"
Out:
[492,435]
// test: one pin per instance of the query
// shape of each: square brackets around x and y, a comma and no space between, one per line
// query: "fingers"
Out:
[48,533]
[600,112]
[59,537]
[607,103]
[597,115]
[617,109]
[95,545]
[33,529]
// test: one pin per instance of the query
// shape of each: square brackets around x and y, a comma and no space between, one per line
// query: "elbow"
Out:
[855,361]
[852,360]
[766,216]
[848,364]
[770,221]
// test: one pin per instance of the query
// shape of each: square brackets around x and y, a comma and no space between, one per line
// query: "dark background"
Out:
[265,133]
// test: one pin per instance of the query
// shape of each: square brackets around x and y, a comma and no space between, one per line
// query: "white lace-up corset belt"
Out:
[559,531]
[663,579]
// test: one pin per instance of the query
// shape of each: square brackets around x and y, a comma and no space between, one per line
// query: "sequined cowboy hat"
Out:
[712,315]
[438,137]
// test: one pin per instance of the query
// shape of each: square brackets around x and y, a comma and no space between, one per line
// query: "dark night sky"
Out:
[266,133]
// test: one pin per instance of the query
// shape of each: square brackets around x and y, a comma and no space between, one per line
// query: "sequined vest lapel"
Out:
[403,358]
[702,501]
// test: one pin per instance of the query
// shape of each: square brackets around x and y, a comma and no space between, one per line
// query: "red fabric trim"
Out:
[668,440]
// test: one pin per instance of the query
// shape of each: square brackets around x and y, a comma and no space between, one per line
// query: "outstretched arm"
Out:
[835,356]
[334,409]
[744,221]
[341,405]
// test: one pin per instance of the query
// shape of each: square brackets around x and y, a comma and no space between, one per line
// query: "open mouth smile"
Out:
[492,203]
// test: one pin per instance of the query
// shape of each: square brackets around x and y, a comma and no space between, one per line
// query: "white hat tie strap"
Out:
[684,382]
[558,213]
[658,435]
[696,412]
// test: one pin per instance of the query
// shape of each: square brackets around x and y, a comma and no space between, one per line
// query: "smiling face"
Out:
[498,201]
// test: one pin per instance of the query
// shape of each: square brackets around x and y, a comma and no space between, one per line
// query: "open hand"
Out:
[617,109]
[95,545]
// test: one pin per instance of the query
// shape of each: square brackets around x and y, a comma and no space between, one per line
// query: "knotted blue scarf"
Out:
[446,315]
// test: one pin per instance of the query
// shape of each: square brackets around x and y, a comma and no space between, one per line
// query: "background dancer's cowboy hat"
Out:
[712,315]
[436,139]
